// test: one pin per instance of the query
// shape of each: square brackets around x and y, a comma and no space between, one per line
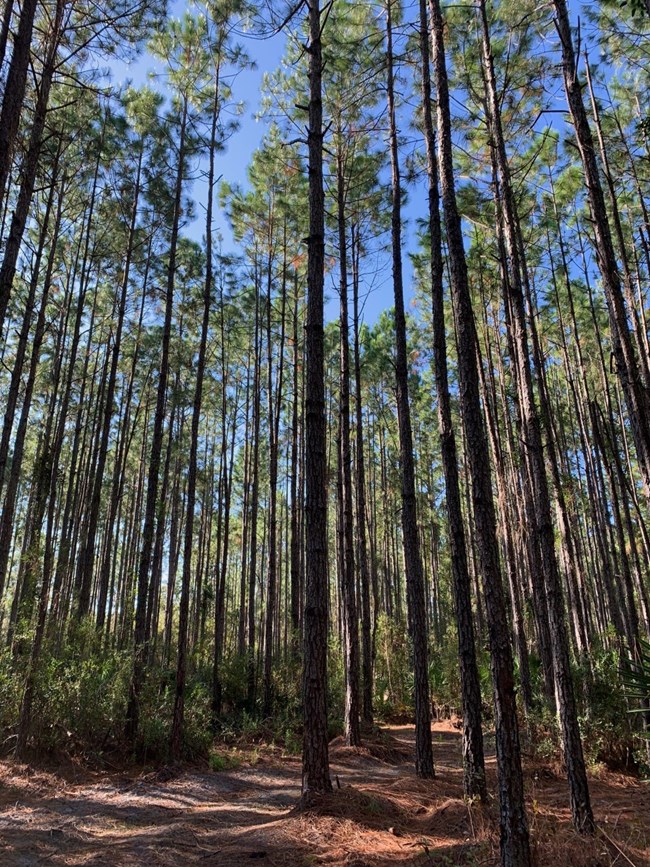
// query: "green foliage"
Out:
[393,674]
[544,731]
[220,761]
[637,7]
[636,676]
[444,671]
[608,732]
[335,685]
[234,682]
[80,699]
[10,694]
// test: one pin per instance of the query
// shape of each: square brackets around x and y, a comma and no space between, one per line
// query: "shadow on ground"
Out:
[378,815]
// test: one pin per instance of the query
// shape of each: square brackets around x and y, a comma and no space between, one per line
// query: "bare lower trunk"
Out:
[412,556]
[315,759]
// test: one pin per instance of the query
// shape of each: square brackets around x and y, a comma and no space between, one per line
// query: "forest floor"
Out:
[380,815]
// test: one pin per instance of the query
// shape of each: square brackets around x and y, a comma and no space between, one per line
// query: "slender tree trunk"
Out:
[361,511]
[350,619]
[294,520]
[275,407]
[14,93]
[241,636]
[255,487]
[30,164]
[5,26]
[533,456]
[181,663]
[315,758]
[86,561]
[515,847]
[119,467]
[627,368]
[23,337]
[411,542]
[137,678]
[473,754]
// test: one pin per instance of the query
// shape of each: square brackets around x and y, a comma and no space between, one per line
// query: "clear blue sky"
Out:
[233,163]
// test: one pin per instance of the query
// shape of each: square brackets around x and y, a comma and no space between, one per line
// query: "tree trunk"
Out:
[627,367]
[515,847]
[533,457]
[144,565]
[361,511]
[14,93]
[315,758]
[473,754]
[350,619]
[29,171]
[86,561]
[411,542]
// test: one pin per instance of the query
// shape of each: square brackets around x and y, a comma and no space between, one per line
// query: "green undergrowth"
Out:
[82,689]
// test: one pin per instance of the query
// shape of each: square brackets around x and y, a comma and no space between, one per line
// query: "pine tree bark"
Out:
[412,554]
[144,565]
[515,847]
[348,582]
[294,519]
[178,719]
[473,753]
[29,168]
[14,95]
[543,536]
[23,336]
[315,758]
[4,30]
[86,560]
[275,406]
[118,478]
[255,487]
[361,510]
[627,366]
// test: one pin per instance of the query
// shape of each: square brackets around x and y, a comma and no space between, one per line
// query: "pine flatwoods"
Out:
[227,502]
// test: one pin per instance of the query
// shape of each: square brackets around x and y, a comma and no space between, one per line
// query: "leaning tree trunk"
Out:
[11,398]
[4,29]
[627,367]
[473,755]
[14,93]
[28,177]
[515,846]
[533,457]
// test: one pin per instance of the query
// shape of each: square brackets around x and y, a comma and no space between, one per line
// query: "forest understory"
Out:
[249,812]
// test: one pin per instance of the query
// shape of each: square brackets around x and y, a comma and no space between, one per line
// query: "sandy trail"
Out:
[380,815]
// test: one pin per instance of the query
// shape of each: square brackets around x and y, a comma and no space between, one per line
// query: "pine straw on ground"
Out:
[379,814]
[379,745]
[430,822]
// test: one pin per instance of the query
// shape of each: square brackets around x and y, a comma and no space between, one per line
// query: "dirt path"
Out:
[381,814]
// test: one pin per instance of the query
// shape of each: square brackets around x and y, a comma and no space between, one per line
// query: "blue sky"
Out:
[233,162]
